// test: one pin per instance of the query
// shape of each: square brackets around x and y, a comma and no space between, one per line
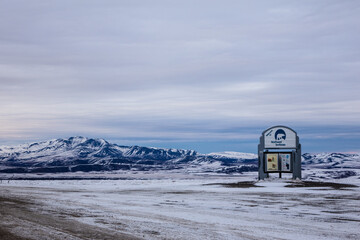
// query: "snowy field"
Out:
[187,207]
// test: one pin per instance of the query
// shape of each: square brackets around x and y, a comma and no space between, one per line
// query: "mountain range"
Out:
[87,154]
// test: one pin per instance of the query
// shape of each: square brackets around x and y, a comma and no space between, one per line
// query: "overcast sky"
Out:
[203,75]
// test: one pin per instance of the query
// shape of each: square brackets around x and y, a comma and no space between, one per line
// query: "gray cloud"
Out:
[176,70]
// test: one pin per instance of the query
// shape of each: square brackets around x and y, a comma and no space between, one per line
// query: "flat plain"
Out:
[180,207]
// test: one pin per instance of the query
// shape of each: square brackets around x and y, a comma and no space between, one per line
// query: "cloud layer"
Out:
[177,72]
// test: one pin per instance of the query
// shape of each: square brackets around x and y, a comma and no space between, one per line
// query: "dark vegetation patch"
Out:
[337,186]
[237,169]
[18,202]
[341,211]
[6,234]
[345,220]
[151,232]
[344,197]
[182,192]
[62,178]
[247,184]
[340,174]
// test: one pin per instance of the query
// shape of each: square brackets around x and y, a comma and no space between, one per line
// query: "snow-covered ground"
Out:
[201,207]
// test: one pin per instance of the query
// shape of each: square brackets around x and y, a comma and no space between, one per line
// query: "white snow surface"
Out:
[234,155]
[198,207]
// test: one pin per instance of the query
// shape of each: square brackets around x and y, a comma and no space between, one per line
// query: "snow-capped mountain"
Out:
[87,154]
[330,165]
[85,148]
[332,160]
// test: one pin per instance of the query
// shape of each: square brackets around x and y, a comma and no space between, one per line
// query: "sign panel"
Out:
[271,162]
[285,161]
[280,137]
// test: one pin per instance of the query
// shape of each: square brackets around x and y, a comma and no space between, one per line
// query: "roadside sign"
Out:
[279,151]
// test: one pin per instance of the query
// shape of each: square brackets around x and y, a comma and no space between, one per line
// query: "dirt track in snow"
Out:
[23,219]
